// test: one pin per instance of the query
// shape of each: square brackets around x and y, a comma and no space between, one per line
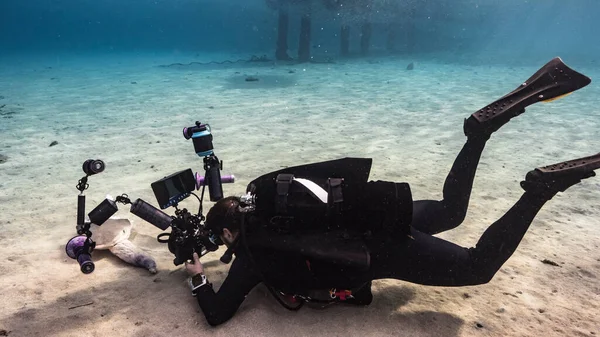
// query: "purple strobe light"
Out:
[226,179]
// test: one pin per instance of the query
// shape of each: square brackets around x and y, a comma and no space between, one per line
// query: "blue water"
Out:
[508,31]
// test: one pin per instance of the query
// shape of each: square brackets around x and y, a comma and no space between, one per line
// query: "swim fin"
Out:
[555,178]
[551,82]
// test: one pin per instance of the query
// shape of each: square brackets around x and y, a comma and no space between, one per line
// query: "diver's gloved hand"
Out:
[195,267]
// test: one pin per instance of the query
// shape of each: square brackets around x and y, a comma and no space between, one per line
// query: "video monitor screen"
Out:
[174,188]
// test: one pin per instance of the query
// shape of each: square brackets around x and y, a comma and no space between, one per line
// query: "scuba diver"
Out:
[322,232]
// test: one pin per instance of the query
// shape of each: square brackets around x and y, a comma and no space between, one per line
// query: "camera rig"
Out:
[188,231]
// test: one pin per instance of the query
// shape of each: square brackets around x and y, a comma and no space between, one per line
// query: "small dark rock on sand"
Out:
[552,263]
[53,143]
[410,66]
[4,332]
[3,159]
[251,79]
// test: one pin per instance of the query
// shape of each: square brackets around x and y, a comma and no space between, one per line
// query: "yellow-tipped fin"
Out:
[557,97]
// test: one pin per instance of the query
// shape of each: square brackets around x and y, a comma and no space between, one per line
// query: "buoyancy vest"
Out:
[309,223]
[329,196]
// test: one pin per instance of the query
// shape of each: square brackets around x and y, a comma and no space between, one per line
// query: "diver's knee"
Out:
[482,270]
[456,216]
[484,275]
[484,279]
[453,220]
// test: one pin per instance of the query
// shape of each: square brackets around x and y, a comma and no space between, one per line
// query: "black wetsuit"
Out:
[420,258]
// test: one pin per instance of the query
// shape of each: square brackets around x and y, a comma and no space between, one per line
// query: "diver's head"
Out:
[223,219]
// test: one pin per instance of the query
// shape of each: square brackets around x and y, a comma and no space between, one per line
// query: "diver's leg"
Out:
[428,260]
[556,79]
[501,239]
[430,216]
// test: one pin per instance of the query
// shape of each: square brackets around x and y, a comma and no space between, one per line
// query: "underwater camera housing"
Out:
[188,232]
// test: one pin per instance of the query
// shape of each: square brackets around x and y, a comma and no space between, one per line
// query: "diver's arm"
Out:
[221,306]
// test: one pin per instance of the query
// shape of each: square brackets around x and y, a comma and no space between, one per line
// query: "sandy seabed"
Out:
[129,112]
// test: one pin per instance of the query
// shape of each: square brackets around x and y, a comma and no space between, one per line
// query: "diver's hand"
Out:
[195,267]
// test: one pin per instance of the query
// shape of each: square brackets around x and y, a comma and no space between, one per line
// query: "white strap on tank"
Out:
[314,189]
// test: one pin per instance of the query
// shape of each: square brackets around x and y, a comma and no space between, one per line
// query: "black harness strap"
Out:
[335,198]
[283,181]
